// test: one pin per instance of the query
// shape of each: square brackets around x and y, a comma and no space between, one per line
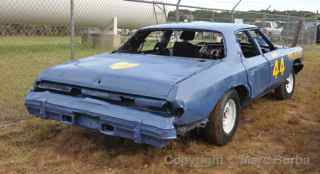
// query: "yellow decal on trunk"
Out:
[123,65]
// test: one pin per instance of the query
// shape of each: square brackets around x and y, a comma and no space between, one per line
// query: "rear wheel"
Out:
[224,119]
[286,90]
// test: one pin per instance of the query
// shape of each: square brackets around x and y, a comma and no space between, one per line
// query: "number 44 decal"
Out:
[279,68]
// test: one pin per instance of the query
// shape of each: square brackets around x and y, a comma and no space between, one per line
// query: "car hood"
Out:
[146,75]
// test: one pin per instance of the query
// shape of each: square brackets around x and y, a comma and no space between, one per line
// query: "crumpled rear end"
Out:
[109,119]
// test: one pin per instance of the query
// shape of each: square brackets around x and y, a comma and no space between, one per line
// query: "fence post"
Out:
[155,12]
[177,11]
[72,29]
[234,10]
[298,32]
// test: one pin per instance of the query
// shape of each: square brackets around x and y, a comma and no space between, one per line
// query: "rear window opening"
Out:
[179,43]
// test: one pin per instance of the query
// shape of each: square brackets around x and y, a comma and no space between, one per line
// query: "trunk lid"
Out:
[146,75]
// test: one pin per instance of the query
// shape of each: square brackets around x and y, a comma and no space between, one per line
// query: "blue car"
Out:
[167,80]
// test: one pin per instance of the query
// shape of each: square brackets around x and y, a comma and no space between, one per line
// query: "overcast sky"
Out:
[309,5]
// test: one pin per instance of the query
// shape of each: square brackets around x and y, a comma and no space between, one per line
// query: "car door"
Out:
[278,62]
[256,65]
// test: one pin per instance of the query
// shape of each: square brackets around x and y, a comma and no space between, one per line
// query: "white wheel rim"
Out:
[290,83]
[229,116]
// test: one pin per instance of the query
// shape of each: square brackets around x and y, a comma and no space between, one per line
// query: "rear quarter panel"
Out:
[200,93]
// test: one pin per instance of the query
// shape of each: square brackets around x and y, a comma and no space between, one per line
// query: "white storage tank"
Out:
[92,13]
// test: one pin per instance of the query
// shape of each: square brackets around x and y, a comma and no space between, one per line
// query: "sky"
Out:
[307,5]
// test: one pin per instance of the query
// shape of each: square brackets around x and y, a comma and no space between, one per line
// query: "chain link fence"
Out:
[27,23]
[283,30]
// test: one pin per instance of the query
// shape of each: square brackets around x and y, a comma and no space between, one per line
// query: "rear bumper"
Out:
[113,120]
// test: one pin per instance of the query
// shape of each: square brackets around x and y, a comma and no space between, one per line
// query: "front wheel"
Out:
[286,90]
[224,119]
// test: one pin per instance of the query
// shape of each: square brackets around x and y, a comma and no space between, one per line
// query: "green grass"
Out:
[22,59]
[27,145]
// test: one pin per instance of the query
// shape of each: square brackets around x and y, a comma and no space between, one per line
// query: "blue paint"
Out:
[195,85]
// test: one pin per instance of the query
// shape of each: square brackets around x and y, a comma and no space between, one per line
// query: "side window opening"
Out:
[150,42]
[247,44]
[265,45]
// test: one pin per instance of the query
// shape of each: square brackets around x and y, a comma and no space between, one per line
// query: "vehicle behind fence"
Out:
[283,30]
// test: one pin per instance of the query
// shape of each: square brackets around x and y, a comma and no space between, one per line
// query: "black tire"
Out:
[214,130]
[282,92]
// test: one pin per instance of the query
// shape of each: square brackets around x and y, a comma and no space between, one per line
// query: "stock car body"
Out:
[167,80]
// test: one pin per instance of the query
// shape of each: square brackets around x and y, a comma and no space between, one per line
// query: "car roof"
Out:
[201,25]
